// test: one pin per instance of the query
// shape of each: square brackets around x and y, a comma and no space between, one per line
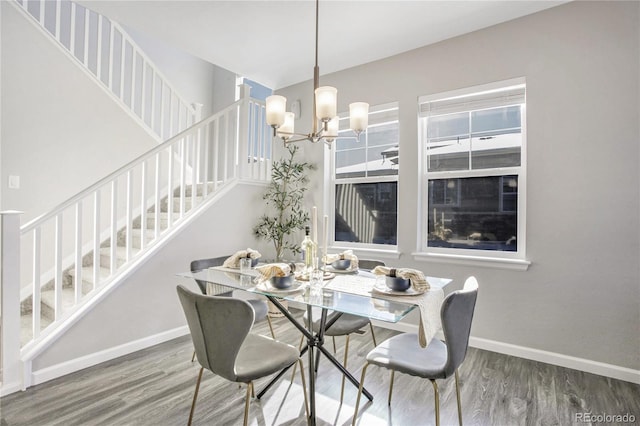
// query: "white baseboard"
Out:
[553,358]
[9,388]
[581,364]
[67,367]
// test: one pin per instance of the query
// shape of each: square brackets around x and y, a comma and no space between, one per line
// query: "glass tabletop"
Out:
[348,293]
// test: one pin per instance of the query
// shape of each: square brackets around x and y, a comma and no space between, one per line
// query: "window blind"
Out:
[513,95]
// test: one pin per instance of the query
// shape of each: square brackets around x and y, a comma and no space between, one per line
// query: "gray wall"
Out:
[581,294]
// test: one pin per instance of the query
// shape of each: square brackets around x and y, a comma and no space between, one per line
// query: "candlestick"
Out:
[314,224]
[435,220]
[325,232]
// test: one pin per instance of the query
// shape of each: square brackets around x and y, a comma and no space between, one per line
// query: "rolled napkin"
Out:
[274,270]
[418,281]
[347,254]
[233,261]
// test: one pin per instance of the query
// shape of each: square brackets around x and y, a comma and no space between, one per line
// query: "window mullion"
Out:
[453,174]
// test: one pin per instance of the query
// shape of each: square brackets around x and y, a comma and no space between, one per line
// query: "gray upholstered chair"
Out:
[346,325]
[438,360]
[258,303]
[220,329]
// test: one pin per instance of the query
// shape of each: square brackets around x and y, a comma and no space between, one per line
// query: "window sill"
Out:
[467,260]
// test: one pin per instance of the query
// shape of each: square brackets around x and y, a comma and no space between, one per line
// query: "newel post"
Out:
[242,140]
[10,296]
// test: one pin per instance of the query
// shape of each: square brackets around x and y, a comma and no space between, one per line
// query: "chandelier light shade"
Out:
[325,113]
[358,116]
[326,103]
[276,107]
[332,129]
[286,129]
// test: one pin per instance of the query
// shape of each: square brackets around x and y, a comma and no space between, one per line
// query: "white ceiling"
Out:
[272,42]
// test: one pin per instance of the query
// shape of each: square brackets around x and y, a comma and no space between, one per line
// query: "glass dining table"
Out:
[349,293]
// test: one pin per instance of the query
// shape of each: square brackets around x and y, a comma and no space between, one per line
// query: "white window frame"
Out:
[493,258]
[331,182]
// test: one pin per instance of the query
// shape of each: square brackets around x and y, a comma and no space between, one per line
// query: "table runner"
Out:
[429,302]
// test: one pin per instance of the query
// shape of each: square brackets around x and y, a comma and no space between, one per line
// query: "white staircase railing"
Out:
[107,52]
[81,246]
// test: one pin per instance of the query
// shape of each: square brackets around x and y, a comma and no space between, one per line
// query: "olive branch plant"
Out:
[285,195]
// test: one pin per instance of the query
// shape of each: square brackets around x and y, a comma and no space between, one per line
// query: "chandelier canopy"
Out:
[325,114]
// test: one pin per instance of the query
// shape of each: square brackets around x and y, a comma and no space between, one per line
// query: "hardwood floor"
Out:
[155,387]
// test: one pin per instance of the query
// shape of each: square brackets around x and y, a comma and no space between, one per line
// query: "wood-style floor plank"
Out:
[155,387]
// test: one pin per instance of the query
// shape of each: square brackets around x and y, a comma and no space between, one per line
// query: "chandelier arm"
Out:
[302,138]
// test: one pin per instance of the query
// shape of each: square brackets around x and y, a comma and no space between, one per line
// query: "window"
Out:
[473,171]
[365,181]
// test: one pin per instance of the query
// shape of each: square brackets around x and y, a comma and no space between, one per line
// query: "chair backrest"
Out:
[369,264]
[457,314]
[218,326]
[200,264]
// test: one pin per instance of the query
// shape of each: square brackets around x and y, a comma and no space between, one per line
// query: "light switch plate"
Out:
[14,182]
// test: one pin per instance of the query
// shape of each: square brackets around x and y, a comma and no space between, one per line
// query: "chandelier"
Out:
[325,117]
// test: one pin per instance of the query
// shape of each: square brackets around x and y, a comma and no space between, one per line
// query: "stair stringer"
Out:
[30,351]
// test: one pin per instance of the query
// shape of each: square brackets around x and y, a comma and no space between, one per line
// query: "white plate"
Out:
[326,276]
[330,268]
[266,286]
[380,287]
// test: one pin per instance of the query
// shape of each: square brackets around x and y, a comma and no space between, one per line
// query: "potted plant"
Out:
[284,197]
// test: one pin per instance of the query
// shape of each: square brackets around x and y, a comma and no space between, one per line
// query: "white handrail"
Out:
[128,68]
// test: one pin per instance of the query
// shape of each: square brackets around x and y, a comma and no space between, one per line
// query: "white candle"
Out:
[435,219]
[314,224]
[325,234]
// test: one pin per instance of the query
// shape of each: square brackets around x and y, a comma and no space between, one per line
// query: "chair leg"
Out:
[373,335]
[246,402]
[304,387]
[393,373]
[458,398]
[193,357]
[346,354]
[436,396]
[334,344]
[293,375]
[195,397]
[355,411]
[271,327]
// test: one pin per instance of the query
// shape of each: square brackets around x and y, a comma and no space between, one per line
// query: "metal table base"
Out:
[314,342]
